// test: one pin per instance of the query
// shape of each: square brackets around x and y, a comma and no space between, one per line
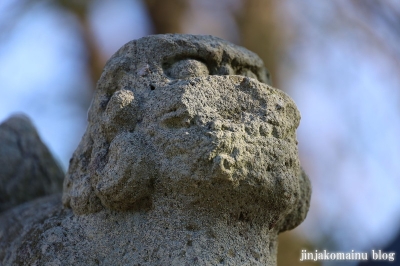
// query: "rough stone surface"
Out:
[27,169]
[189,158]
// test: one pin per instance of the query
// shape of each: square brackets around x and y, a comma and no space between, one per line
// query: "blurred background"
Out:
[339,61]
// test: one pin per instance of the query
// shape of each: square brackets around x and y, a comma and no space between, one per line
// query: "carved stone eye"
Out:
[187,68]
[247,73]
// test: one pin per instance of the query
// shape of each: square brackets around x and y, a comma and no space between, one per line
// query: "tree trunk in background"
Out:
[289,250]
[261,33]
[166,15]
[96,60]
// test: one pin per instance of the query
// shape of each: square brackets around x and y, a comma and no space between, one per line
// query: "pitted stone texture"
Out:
[189,158]
[27,168]
[43,233]
[157,110]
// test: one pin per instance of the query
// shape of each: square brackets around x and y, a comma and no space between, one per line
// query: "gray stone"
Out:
[189,158]
[27,168]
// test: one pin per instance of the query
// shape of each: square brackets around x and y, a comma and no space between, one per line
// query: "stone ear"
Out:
[299,212]
[186,68]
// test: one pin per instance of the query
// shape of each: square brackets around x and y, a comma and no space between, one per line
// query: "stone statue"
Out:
[189,158]
[27,168]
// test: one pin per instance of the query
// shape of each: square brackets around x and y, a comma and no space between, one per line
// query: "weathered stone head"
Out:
[190,120]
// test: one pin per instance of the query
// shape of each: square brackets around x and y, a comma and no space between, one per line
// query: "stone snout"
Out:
[234,153]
